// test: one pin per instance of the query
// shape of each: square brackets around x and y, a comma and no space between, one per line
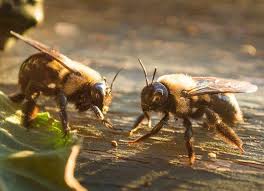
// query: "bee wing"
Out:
[213,85]
[64,60]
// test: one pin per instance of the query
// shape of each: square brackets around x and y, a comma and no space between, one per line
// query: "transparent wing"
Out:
[213,85]
[64,60]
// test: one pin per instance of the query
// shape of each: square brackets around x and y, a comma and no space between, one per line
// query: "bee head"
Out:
[102,94]
[154,95]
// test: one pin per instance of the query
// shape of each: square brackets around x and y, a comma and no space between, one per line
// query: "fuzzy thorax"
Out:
[177,82]
[74,82]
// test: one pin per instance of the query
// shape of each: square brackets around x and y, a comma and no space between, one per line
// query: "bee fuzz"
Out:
[52,85]
[114,143]
[212,155]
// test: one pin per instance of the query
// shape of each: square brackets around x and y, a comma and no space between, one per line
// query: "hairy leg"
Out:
[139,120]
[101,117]
[188,134]
[155,130]
[227,133]
[61,100]
[30,108]
[30,111]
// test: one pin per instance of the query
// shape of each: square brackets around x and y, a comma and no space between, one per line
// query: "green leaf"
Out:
[35,159]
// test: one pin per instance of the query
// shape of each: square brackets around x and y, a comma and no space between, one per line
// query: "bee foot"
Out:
[107,124]
[27,124]
[131,142]
[66,129]
[65,134]
[149,124]
[192,160]
[132,132]
[242,151]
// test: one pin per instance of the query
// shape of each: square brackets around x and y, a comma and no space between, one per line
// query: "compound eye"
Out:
[100,88]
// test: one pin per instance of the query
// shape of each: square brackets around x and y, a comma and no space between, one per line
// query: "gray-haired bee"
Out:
[193,97]
[53,74]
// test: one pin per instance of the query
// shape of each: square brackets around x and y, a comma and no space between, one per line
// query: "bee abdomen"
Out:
[227,107]
[43,70]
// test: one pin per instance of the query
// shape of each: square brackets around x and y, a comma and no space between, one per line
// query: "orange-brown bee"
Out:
[193,97]
[52,74]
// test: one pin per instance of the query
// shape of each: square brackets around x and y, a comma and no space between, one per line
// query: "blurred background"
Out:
[198,37]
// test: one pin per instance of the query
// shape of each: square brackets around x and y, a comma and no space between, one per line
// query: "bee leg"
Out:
[101,117]
[198,113]
[227,133]
[149,119]
[30,108]
[138,121]
[17,97]
[206,125]
[61,100]
[30,111]
[188,134]
[155,130]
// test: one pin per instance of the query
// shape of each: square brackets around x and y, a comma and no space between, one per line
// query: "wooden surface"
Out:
[211,39]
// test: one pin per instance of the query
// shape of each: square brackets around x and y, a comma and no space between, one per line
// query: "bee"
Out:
[187,98]
[53,74]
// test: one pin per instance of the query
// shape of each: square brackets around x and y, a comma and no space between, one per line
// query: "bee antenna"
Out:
[154,73]
[112,83]
[144,70]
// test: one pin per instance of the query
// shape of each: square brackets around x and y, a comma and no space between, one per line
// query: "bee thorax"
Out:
[177,82]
